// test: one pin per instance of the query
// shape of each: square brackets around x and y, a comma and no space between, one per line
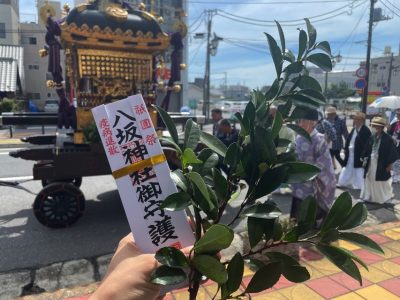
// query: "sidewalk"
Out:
[7,142]
[382,281]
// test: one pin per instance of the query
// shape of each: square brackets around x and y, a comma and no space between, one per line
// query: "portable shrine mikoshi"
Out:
[112,50]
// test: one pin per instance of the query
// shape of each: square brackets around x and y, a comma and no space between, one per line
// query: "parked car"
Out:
[51,106]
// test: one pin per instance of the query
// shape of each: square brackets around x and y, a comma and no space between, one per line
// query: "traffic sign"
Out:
[361,72]
[360,83]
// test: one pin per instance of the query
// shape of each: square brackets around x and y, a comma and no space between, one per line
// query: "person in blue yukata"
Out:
[315,153]
[341,132]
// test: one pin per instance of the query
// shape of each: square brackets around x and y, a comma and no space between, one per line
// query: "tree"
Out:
[257,160]
[340,91]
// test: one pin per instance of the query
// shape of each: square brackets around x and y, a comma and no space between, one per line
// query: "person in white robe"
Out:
[352,174]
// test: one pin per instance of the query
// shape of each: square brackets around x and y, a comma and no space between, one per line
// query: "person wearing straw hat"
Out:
[380,153]
[341,132]
[352,175]
[317,153]
[394,131]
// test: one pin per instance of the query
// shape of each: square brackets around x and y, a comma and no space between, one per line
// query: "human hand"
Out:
[389,168]
[128,275]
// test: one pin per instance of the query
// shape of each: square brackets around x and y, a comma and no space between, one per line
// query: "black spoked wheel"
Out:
[59,204]
[77,181]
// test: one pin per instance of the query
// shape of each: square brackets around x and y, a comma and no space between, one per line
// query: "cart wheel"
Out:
[77,181]
[59,204]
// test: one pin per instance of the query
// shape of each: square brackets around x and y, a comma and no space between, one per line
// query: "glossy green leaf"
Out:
[273,90]
[307,214]
[221,185]
[265,278]
[285,109]
[341,259]
[198,181]
[361,240]
[232,155]
[244,124]
[254,264]
[213,199]
[255,229]
[313,95]
[270,181]
[189,157]
[276,54]
[213,143]
[299,131]
[338,213]
[296,273]
[265,148]
[277,124]
[165,275]
[307,82]
[249,115]
[329,236]
[169,123]
[176,201]
[289,56]
[290,267]
[216,238]
[262,211]
[299,172]
[321,60]
[211,268]
[356,217]
[281,36]
[171,257]
[312,33]
[192,135]
[294,67]
[302,44]
[324,46]
[179,179]
[235,273]
[168,141]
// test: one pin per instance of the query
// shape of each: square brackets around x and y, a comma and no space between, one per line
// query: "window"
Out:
[2,30]
[378,84]
[33,67]
[27,40]
[5,1]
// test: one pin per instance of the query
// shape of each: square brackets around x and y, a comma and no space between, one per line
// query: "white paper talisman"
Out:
[142,174]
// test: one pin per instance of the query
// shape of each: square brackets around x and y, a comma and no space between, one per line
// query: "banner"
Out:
[142,174]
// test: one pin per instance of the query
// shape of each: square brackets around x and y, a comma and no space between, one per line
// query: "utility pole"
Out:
[390,73]
[206,86]
[367,62]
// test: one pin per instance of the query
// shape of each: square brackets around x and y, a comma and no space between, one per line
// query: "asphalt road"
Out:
[25,243]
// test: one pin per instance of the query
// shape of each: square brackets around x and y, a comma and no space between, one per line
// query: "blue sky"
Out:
[243,53]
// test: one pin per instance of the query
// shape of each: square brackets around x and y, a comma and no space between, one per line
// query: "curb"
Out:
[14,143]
[53,277]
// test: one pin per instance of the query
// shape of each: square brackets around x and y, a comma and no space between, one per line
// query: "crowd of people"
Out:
[368,156]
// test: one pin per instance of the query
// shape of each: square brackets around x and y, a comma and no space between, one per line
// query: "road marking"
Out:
[10,149]
[19,178]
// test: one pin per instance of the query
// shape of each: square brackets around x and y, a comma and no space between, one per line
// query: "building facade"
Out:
[384,74]
[333,77]
[9,22]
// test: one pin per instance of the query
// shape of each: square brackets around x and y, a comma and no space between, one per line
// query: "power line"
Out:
[354,29]
[289,21]
[266,25]
[268,3]
[196,51]
[393,5]
[246,47]
[391,10]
